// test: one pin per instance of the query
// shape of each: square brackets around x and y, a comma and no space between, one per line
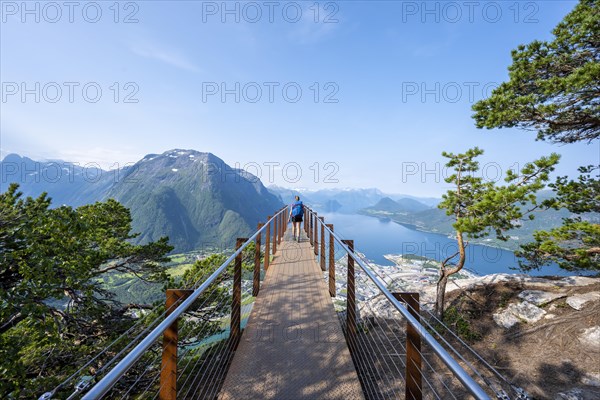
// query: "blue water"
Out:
[375,238]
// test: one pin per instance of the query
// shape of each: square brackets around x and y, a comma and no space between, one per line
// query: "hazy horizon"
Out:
[282,184]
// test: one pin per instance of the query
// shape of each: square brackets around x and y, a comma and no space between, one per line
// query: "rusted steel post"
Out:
[413,347]
[279,222]
[267,243]
[310,229]
[279,227]
[307,224]
[351,292]
[322,252]
[285,217]
[316,236]
[236,297]
[256,276]
[275,234]
[168,374]
[331,262]
[276,230]
[305,220]
[280,231]
[284,220]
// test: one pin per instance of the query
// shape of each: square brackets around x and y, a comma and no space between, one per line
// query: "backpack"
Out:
[297,209]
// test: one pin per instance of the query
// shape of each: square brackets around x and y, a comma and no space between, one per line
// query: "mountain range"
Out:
[200,202]
[66,182]
[350,200]
[194,198]
[400,206]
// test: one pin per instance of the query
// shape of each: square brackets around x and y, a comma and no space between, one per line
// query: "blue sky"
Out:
[386,86]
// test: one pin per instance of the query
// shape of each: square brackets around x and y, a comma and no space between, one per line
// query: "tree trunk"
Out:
[441,292]
[446,271]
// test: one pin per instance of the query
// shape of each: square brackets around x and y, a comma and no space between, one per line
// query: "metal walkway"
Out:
[293,346]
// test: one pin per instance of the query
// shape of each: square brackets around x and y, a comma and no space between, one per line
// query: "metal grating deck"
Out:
[293,346]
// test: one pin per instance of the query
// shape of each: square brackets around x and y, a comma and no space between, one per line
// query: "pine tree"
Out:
[554,90]
[480,207]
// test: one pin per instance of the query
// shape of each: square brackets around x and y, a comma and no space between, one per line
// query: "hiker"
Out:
[296,212]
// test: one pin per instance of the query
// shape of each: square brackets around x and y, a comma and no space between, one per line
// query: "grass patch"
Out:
[179,270]
[178,259]
[460,325]
[414,257]
[561,304]
[504,299]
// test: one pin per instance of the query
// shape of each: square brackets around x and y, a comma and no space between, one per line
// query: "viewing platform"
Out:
[293,346]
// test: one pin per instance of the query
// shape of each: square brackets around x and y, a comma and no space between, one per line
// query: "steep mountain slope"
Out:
[194,198]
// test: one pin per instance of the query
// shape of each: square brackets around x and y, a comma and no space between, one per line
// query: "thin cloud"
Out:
[315,24]
[171,58]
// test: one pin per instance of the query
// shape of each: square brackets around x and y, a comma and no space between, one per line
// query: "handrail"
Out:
[109,380]
[470,384]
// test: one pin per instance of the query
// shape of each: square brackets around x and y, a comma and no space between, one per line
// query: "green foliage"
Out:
[53,307]
[573,246]
[202,269]
[553,89]
[579,196]
[553,86]
[210,307]
[461,326]
[481,207]
[504,299]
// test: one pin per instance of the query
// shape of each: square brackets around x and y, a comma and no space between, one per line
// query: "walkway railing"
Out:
[214,316]
[184,349]
[390,338]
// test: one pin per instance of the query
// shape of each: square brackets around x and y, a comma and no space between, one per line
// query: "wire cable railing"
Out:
[399,350]
[203,314]
[383,320]
[501,386]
